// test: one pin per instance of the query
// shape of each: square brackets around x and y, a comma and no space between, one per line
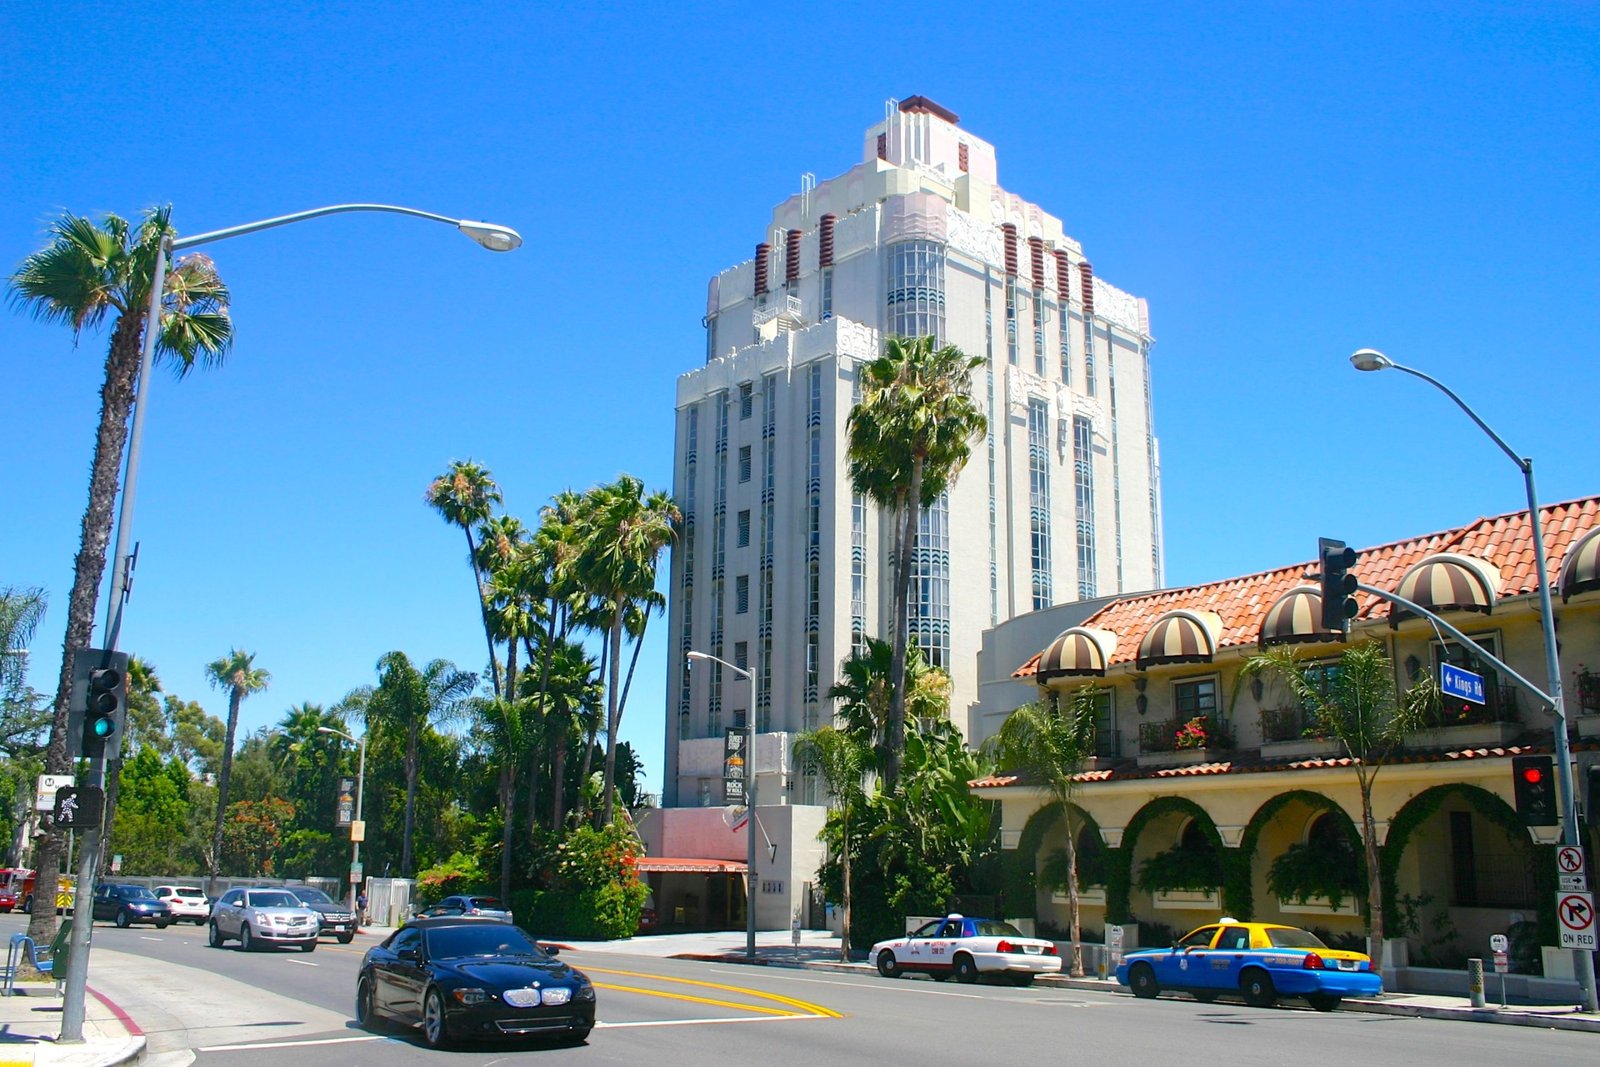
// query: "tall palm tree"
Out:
[841,760]
[863,694]
[86,274]
[310,760]
[506,726]
[573,694]
[240,677]
[1049,744]
[909,437]
[412,699]
[1357,703]
[465,495]
[21,611]
[624,533]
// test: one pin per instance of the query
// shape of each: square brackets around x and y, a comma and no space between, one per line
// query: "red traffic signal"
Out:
[1533,783]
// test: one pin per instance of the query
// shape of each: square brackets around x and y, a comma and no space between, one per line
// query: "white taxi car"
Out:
[967,948]
[186,902]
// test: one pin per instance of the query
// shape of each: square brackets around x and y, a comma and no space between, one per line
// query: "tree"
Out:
[145,726]
[570,694]
[624,532]
[465,496]
[1049,744]
[310,762]
[411,699]
[1357,703]
[86,274]
[909,437]
[237,674]
[507,730]
[863,693]
[841,760]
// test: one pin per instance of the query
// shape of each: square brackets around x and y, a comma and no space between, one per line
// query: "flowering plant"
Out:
[1193,734]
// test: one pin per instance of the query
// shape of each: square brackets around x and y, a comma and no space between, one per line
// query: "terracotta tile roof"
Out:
[1504,540]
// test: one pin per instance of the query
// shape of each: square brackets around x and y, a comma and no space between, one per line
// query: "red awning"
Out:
[669,865]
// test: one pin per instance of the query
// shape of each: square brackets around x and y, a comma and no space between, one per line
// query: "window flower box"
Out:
[1320,906]
[1089,896]
[1187,899]
[1471,735]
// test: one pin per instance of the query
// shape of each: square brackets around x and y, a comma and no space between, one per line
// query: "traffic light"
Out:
[1533,780]
[99,702]
[1338,584]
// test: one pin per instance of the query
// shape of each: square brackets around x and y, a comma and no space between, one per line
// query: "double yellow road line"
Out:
[790,1006]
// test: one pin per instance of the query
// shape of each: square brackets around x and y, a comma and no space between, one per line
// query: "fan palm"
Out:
[909,437]
[507,727]
[86,274]
[465,496]
[240,677]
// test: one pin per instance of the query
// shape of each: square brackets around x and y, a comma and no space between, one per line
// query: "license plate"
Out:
[1347,965]
[1032,950]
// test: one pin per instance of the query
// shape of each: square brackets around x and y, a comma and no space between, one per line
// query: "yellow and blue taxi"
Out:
[1259,961]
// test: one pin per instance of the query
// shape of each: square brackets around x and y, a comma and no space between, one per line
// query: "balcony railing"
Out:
[1287,724]
[1176,735]
[1107,744]
[1501,706]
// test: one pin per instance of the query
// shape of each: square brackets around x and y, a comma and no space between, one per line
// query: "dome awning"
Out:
[1181,636]
[1449,581]
[1075,653]
[1294,617]
[1580,571]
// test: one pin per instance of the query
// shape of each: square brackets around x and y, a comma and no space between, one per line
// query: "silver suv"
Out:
[256,917]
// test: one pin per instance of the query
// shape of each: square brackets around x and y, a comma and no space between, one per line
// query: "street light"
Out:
[750,805]
[361,788]
[1370,359]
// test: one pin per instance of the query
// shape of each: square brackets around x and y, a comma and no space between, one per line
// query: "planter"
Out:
[1301,748]
[1483,734]
[1181,757]
[1088,896]
[1320,906]
[1589,726]
[1187,899]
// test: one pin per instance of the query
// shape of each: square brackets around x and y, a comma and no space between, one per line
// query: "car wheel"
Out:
[216,936]
[27,905]
[1323,1001]
[1142,980]
[1205,996]
[162,924]
[246,942]
[887,965]
[1257,988]
[366,1007]
[966,969]
[435,1030]
[579,1036]
[345,939]
[309,946]
[122,920]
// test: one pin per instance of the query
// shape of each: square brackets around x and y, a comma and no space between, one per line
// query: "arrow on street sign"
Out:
[1575,913]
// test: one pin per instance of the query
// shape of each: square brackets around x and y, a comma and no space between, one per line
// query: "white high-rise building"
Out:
[782,569]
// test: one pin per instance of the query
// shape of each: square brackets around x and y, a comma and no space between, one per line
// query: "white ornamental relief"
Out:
[855,340]
[978,240]
[1117,306]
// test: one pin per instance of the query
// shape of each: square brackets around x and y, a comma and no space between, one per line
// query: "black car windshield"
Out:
[1290,937]
[485,902]
[995,928]
[276,898]
[311,895]
[479,939]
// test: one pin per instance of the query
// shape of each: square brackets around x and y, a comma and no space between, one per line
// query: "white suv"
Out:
[185,902]
[258,917]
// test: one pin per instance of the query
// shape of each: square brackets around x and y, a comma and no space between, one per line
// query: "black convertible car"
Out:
[459,977]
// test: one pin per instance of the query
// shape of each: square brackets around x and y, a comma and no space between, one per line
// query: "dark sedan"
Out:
[459,977]
[129,904]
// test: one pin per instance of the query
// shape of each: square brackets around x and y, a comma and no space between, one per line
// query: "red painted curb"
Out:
[115,1009]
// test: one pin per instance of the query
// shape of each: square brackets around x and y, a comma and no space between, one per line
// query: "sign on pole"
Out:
[44,799]
[345,810]
[1575,913]
[1570,876]
[1461,684]
[1499,943]
[355,874]
[733,763]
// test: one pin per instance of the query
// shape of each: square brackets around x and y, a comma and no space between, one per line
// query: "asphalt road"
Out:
[292,1009]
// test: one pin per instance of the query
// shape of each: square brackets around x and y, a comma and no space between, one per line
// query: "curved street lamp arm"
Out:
[180,243]
[1521,462]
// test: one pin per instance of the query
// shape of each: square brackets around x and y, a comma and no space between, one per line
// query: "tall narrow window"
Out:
[744,528]
[746,399]
[769,443]
[741,594]
[929,604]
[916,290]
[744,463]
[1039,499]
[691,462]
[1083,482]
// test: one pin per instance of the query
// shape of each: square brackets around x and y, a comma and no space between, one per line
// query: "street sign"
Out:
[355,874]
[1502,963]
[358,830]
[79,809]
[45,797]
[1570,876]
[1499,943]
[116,863]
[1575,913]
[734,759]
[1461,684]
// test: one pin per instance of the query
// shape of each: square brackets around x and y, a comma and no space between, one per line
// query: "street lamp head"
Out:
[697,655]
[1370,359]
[493,236]
[336,733]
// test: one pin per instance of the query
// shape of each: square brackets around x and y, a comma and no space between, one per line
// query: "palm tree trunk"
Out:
[507,797]
[588,748]
[483,609]
[411,797]
[844,940]
[894,744]
[235,697]
[111,436]
[558,774]
[613,713]
[1072,896]
[1369,834]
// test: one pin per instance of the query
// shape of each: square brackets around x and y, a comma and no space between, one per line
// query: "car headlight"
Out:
[469,996]
[555,995]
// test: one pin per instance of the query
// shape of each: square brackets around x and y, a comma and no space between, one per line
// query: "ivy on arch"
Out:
[1119,861]
[1240,893]
[1022,864]
[1424,805]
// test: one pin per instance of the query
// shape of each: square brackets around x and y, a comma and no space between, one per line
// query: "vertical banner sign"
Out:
[733,761]
[345,810]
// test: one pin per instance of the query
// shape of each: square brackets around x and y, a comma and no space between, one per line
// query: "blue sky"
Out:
[1284,186]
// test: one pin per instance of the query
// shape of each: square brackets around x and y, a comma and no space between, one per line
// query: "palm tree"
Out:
[863,694]
[841,760]
[1355,702]
[411,700]
[21,611]
[310,759]
[465,496]
[1049,744]
[909,437]
[237,673]
[624,533]
[85,274]
[507,728]
[572,694]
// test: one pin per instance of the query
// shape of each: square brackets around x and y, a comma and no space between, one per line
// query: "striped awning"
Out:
[1075,653]
[1295,616]
[1449,581]
[681,865]
[1580,571]
[1181,636]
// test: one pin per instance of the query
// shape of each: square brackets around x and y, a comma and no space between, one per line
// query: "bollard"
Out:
[1475,983]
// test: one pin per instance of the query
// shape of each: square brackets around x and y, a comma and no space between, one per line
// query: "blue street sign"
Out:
[1463,685]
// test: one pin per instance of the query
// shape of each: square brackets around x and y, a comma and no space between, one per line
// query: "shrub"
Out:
[458,874]
[587,886]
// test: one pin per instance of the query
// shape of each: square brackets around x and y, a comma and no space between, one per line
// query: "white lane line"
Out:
[703,1022]
[147,937]
[910,987]
[305,963]
[250,1046]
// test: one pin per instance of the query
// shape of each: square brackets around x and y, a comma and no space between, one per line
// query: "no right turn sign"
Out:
[1575,913]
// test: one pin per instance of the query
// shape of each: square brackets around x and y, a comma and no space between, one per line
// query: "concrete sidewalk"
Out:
[30,1028]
